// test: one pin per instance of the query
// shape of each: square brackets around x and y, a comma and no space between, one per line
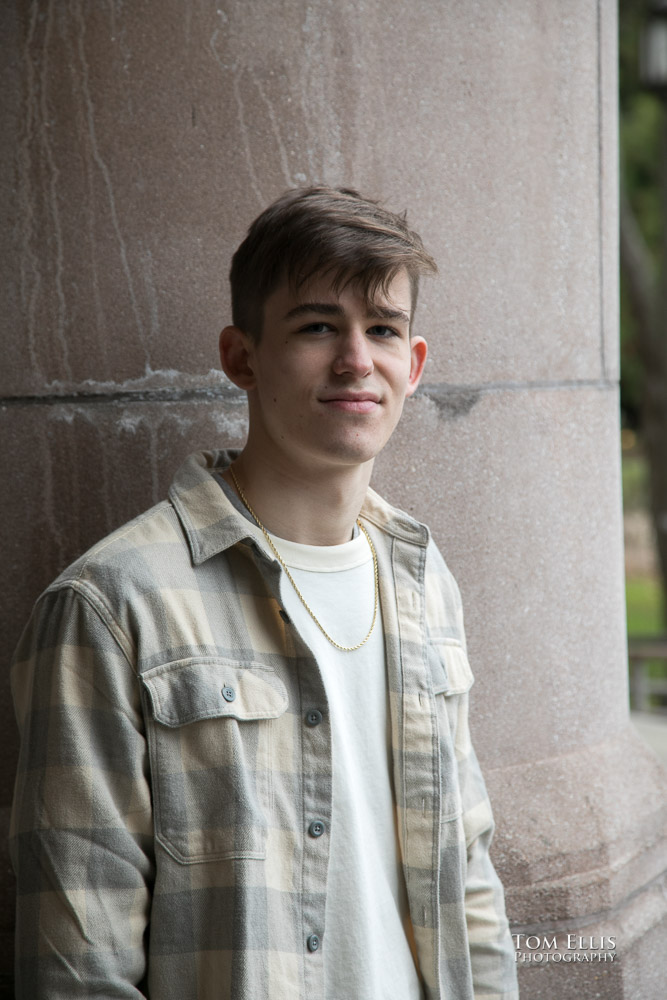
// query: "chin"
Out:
[357,453]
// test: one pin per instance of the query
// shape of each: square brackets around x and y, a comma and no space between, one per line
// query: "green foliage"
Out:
[631,367]
[643,595]
[635,482]
[640,139]
[640,134]
[643,599]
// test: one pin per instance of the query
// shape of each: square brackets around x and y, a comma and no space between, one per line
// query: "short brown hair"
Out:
[322,230]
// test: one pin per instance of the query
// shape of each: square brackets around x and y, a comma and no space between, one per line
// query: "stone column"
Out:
[145,138]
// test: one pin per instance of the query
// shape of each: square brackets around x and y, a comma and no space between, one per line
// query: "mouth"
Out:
[352,402]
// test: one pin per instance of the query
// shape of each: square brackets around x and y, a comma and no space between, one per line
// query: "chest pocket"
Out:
[209,727]
[452,679]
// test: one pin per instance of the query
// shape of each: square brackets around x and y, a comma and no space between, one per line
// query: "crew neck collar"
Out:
[317,558]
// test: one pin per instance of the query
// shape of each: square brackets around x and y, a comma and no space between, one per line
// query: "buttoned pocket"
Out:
[452,679]
[209,727]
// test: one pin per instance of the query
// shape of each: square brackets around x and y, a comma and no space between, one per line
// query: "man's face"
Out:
[329,375]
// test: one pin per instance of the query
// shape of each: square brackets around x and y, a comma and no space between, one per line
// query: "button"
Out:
[285,617]
[228,693]
[313,942]
[316,828]
[314,717]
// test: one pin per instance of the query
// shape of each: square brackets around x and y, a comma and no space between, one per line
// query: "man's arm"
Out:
[81,839]
[491,948]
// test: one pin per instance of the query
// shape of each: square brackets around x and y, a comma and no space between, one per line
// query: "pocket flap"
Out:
[450,668]
[209,687]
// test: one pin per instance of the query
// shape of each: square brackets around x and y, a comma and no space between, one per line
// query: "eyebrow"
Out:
[333,309]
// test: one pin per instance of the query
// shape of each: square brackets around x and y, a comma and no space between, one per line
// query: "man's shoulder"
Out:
[444,617]
[155,529]
[157,540]
[400,524]
[161,540]
[394,521]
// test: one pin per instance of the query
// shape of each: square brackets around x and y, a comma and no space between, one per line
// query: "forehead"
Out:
[348,293]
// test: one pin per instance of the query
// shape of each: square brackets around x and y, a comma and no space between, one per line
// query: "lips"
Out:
[352,402]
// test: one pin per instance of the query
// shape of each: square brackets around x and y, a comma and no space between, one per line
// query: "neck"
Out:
[312,508]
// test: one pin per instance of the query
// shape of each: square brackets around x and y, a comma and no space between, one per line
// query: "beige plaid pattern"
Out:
[170,762]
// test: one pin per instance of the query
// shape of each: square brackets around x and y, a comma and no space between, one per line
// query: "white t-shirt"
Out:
[365,945]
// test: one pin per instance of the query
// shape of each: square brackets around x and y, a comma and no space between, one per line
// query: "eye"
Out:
[383,331]
[315,328]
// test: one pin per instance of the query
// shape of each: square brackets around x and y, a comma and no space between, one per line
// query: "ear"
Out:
[418,352]
[236,350]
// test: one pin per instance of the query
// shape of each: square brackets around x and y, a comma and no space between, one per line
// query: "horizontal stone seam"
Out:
[449,388]
[230,394]
[167,395]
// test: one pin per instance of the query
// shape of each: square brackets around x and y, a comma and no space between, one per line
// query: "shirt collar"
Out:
[211,523]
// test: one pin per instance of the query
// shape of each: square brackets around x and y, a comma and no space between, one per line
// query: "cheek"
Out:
[400,379]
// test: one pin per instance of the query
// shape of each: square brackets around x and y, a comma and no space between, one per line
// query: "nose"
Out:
[354,354]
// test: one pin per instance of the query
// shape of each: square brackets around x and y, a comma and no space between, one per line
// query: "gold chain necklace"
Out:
[344,649]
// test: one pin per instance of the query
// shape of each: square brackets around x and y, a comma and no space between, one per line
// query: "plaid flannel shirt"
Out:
[175,744]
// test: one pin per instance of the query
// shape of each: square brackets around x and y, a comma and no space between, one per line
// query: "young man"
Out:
[246,770]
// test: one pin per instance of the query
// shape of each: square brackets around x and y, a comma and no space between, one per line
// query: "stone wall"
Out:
[144,137]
